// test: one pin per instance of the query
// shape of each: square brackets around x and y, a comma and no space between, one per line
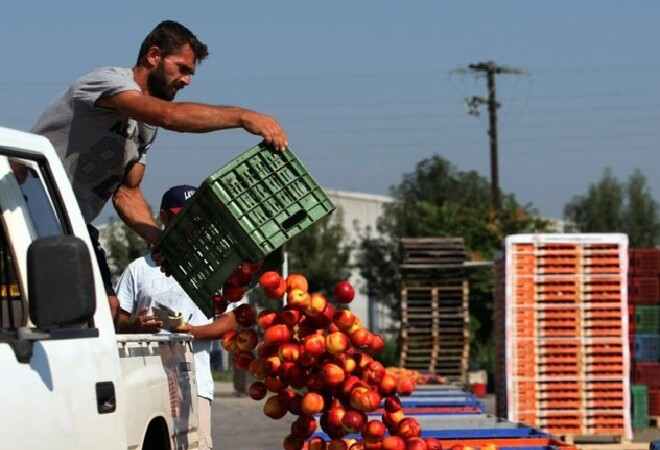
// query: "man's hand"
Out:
[185,328]
[146,324]
[267,127]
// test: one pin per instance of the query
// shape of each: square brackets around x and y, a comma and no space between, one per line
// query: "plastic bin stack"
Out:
[640,406]
[562,334]
[434,307]
[644,309]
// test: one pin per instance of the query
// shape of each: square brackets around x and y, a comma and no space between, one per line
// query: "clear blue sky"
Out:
[363,87]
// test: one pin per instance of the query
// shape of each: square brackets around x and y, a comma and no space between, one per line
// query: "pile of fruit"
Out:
[420,378]
[315,361]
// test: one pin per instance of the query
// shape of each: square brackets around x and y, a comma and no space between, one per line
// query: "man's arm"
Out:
[195,117]
[123,321]
[213,330]
[140,324]
[133,208]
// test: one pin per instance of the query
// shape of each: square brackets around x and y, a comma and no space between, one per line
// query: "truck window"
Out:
[44,219]
[13,311]
[40,206]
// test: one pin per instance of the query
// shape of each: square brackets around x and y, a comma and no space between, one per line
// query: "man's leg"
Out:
[204,426]
[106,275]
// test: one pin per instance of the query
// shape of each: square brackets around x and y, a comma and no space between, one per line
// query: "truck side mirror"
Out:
[60,283]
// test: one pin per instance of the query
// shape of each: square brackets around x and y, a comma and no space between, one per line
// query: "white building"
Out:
[360,212]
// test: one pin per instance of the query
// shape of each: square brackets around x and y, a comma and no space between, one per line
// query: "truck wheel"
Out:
[157,436]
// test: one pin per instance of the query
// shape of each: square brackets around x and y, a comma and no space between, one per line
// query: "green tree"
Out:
[601,209]
[378,262]
[438,200]
[641,214]
[614,206]
[321,253]
[122,246]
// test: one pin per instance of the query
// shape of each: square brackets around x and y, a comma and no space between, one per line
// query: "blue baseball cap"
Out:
[176,197]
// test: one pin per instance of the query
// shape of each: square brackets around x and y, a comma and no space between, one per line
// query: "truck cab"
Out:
[69,381]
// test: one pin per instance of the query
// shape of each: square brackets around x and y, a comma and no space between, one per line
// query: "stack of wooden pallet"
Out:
[434,307]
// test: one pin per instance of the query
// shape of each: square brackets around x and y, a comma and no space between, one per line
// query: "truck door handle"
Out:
[106,400]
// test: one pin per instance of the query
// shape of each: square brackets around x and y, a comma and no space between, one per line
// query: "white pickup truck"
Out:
[68,381]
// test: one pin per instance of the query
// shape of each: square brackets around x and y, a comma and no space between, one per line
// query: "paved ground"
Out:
[239,423]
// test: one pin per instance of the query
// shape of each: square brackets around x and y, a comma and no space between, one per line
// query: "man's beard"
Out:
[158,86]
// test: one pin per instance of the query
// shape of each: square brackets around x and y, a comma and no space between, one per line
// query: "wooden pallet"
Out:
[626,445]
[435,359]
[434,306]
[424,282]
[454,286]
[603,443]
[433,251]
[432,276]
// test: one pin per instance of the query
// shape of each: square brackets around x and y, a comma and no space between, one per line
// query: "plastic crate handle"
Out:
[294,219]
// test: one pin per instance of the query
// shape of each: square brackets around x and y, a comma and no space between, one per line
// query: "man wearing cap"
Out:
[103,125]
[143,286]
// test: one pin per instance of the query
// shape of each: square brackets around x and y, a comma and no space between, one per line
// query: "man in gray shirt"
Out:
[105,122]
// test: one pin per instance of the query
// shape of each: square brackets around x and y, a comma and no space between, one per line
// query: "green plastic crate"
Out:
[640,406]
[244,211]
[647,319]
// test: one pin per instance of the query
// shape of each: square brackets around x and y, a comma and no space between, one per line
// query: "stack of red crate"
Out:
[644,290]
[562,334]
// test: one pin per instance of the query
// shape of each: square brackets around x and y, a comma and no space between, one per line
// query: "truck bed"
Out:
[158,378]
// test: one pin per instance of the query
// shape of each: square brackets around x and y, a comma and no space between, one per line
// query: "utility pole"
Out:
[491,70]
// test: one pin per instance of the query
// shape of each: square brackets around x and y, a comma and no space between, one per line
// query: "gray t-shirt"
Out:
[95,144]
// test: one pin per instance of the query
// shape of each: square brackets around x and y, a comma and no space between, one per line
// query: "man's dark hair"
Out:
[169,36]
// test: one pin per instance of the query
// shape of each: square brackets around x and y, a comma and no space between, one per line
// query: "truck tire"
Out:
[157,436]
